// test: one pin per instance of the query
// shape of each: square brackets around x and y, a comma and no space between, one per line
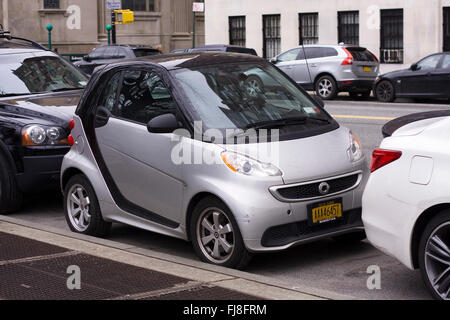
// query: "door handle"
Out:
[102,117]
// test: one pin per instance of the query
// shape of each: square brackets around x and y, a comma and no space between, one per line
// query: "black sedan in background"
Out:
[428,78]
[112,53]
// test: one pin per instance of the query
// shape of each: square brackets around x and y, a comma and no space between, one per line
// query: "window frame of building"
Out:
[391,36]
[237,30]
[308,28]
[348,27]
[150,5]
[52,4]
[271,35]
[446,29]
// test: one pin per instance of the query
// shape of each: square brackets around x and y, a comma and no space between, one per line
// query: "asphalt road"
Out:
[323,265]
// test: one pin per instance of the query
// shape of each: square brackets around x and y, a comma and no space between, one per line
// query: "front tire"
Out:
[385,91]
[434,256]
[326,88]
[11,197]
[215,235]
[82,210]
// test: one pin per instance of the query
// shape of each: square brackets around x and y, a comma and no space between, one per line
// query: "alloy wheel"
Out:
[385,91]
[325,88]
[437,260]
[215,235]
[78,206]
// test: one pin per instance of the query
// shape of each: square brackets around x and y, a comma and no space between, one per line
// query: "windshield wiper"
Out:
[66,89]
[13,95]
[271,124]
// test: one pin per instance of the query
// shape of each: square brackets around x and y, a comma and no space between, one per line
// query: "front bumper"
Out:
[39,173]
[356,85]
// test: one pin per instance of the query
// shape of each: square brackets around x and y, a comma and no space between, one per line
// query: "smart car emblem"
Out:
[324,188]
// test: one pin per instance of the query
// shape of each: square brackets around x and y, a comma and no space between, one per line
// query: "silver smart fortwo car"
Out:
[185,146]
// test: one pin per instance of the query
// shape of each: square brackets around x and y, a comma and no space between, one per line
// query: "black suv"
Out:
[39,92]
[112,53]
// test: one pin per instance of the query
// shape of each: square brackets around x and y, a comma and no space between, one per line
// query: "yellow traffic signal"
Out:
[124,16]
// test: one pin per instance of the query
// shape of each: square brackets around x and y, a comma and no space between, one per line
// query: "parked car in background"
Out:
[39,92]
[428,78]
[112,53]
[331,69]
[242,199]
[406,204]
[219,48]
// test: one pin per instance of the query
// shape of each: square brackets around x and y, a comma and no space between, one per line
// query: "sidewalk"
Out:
[35,261]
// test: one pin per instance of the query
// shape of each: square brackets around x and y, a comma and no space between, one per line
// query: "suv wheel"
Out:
[326,88]
[10,195]
[434,256]
[82,210]
[215,235]
[385,91]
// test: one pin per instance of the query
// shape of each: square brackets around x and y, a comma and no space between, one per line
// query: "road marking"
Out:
[361,117]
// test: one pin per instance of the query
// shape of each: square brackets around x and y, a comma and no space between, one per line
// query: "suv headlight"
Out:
[355,152]
[248,166]
[39,135]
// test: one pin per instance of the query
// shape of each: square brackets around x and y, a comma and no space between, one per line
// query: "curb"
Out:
[240,281]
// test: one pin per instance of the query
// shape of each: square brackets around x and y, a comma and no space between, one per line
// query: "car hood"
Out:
[305,159]
[46,108]
[394,74]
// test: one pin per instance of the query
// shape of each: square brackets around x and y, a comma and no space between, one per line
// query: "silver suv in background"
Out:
[331,69]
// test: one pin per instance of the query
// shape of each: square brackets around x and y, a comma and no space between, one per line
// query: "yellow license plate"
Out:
[367,69]
[326,212]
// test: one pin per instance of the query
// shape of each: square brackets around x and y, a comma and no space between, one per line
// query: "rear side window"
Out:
[320,52]
[361,54]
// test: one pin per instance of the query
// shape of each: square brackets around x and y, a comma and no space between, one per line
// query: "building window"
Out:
[391,34]
[348,27]
[51,4]
[271,36]
[447,29]
[308,28]
[139,5]
[237,31]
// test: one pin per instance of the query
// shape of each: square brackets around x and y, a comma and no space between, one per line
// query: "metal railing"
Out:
[391,55]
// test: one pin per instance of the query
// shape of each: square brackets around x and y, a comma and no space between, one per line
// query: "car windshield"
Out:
[38,73]
[243,96]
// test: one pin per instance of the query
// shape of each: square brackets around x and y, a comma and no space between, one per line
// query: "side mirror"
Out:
[87,58]
[273,60]
[415,67]
[166,123]
[319,101]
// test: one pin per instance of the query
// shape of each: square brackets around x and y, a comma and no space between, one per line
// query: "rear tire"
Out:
[435,241]
[215,235]
[11,197]
[82,210]
[385,91]
[351,238]
[326,87]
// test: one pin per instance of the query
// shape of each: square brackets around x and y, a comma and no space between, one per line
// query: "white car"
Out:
[406,203]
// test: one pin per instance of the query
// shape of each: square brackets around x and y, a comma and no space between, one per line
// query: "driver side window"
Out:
[429,63]
[143,96]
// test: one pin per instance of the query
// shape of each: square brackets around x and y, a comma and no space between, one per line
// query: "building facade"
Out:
[80,25]
[397,31]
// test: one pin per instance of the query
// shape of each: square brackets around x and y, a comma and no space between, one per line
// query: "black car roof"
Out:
[191,60]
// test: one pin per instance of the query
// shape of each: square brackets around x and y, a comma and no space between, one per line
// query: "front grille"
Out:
[292,232]
[311,190]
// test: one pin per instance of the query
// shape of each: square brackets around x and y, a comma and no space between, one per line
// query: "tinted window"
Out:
[145,52]
[289,56]
[97,53]
[242,50]
[312,53]
[361,54]
[446,62]
[108,97]
[429,63]
[24,74]
[142,97]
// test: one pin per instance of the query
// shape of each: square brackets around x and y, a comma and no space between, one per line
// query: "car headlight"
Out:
[248,166]
[39,135]
[355,152]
